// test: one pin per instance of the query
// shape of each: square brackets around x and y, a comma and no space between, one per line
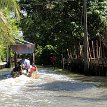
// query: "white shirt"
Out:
[26,63]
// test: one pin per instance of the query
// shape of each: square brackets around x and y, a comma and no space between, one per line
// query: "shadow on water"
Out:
[5,73]
[80,77]
[63,86]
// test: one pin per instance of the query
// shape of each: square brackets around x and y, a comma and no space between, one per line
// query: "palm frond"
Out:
[5,26]
[5,29]
[12,5]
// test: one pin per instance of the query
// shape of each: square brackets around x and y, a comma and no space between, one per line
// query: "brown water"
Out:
[52,89]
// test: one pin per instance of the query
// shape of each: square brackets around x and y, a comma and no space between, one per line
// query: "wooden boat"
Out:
[23,47]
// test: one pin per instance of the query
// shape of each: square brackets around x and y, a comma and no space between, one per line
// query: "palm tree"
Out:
[5,26]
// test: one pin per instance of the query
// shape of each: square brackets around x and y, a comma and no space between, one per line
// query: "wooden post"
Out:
[8,57]
[34,57]
[69,55]
[100,50]
[90,56]
[97,54]
[93,50]
[15,58]
[81,51]
[63,62]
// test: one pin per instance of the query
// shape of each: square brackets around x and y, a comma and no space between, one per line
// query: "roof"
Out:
[23,47]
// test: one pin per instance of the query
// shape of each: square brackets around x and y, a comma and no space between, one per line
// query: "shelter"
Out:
[21,47]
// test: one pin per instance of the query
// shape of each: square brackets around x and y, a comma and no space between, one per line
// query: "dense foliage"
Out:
[60,22]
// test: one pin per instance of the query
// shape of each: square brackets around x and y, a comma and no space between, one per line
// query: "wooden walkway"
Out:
[2,65]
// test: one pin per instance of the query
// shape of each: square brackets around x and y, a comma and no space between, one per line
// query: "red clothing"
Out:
[33,68]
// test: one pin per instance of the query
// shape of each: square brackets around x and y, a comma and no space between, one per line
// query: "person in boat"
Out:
[17,71]
[33,68]
[32,71]
[25,63]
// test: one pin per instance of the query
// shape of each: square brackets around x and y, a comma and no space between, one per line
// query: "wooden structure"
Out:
[97,57]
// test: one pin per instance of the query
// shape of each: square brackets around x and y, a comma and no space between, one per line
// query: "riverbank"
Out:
[2,65]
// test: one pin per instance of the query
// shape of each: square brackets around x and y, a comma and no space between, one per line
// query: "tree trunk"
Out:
[86,44]
[93,49]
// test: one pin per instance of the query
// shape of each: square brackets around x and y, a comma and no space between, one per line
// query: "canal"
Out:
[52,89]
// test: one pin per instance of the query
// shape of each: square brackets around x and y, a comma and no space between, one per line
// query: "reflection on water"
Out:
[52,90]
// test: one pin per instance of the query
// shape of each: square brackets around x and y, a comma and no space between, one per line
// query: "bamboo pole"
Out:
[97,54]
[93,49]
[100,50]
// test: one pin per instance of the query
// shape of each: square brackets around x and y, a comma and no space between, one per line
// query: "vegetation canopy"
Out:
[60,22]
[9,19]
